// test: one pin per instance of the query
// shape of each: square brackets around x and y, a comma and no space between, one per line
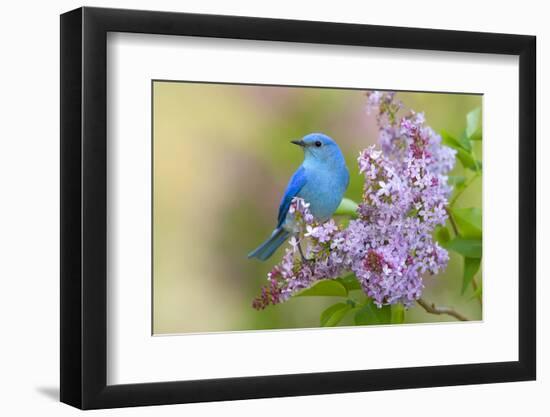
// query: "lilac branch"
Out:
[433,309]
[452,221]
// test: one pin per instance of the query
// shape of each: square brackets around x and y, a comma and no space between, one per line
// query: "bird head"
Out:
[319,147]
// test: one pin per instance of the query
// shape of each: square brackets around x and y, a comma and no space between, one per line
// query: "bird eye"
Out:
[318,143]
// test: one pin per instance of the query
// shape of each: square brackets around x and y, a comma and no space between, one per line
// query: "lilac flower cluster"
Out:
[323,249]
[389,247]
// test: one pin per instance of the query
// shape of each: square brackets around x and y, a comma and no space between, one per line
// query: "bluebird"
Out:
[321,181]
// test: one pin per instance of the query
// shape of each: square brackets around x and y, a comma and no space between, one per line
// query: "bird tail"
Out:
[266,249]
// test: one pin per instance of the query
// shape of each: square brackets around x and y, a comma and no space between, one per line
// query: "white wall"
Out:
[29,172]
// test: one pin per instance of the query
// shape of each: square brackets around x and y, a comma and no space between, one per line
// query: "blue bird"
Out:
[321,181]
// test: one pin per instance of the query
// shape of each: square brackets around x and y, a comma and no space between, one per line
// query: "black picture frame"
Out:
[84,207]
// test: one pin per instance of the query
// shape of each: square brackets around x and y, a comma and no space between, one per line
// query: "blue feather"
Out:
[266,249]
[294,186]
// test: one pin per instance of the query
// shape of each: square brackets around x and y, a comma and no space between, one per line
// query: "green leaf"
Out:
[473,124]
[347,207]
[344,221]
[477,293]
[325,288]
[442,234]
[350,282]
[366,315]
[470,248]
[467,159]
[477,135]
[471,266]
[479,165]
[456,181]
[397,313]
[458,144]
[465,141]
[463,148]
[468,221]
[371,314]
[334,314]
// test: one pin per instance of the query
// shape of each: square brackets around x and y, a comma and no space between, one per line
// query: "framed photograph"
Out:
[258,208]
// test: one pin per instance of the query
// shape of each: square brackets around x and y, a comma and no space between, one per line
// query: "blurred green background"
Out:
[222,159]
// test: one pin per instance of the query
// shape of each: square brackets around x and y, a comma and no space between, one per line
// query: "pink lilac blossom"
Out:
[389,246]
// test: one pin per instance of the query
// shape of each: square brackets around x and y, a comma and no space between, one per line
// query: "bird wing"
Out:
[294,186]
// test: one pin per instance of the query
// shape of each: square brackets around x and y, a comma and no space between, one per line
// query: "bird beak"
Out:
[298,142]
